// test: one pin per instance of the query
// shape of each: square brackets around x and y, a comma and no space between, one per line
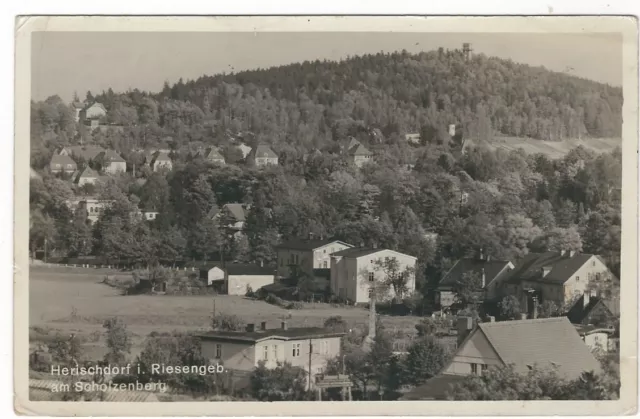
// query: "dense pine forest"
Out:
[507,203]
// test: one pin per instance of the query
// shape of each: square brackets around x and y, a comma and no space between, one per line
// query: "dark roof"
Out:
[359,150]
[110,156]
[212,153]
[435,388]
[309,244]
[237,211]
[297,333]
[579,313]
[88,172]
[241,268]
[540,342]
[161,156]
[562,267]
[87,152]
[62,160]
[492,270]
[263,150]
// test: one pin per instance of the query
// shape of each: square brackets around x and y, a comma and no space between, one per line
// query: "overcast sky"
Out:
[68,62]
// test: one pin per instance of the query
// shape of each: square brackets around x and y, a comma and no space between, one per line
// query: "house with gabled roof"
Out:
[413,138]
[591,309]
[262,155]
[356,273]
[236,278]
[356,152]
[310,348]
[95,110]
[87,176]
[86,152]
[307,254]
[160,160]
[232,216]
[62,164]
[491,273]
[211,154]
[523,344]
[560,277]
[111,162]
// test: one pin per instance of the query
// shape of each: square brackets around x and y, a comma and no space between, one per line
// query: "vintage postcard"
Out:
[326,216]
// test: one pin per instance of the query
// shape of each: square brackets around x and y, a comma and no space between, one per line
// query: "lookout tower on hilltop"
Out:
[466,50]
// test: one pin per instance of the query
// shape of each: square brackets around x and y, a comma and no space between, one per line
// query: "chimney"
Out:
[362,244]
[310,236]
[263,325]
[251,327]
[488,258]
[484,279]
[464,326]
[572,253]
[452,130]
[375,245]
[481,254]
[492,319]
[523,316]
[284,325]
[261,263]
[586,298]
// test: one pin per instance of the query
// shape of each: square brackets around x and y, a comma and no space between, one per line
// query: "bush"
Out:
[227,322]
[295,305]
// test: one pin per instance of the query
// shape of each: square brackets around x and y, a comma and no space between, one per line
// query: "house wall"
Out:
[597,341]
[163,164]
[94,112]
[214,274]
[476,350]
[58,167]
[308,259]
[360,161]
[87,181]
[235,355]
[492,290]
[237,284]
[350,276]
[115,167]
[579,281]
[445,298]
[263,161]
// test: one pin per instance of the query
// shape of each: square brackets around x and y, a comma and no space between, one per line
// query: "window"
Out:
[325,347]
[218,351]
[265,352]
[296,350]
[484,368]
[371,276]
[577,279]
[370,292]
[57,165]
[593,263]
[275,352]
[325,264]
[324,251]
[474,369]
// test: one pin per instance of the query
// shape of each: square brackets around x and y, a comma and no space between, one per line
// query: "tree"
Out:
[468,289]
[559,239]
[394,277]
[227,322]
[118,341]
[504,383]
[336,324]
[66,350]
[510,308]
[425,359]
[283,383]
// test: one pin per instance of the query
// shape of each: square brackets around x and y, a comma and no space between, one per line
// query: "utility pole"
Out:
[45,250]
[310,351]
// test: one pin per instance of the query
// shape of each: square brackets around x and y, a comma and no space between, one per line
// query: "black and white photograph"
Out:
[327,216]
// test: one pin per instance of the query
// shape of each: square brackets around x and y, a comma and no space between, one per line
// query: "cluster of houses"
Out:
[351,273]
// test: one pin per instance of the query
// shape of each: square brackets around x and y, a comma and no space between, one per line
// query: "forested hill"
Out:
[402,92]
[298,107]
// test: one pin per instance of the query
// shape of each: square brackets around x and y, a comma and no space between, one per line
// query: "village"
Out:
[365,262]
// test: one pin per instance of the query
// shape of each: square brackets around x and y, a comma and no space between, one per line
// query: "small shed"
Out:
[236,278]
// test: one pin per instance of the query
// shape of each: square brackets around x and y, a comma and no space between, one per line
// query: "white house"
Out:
[355,271]
[236,278]
[307,254]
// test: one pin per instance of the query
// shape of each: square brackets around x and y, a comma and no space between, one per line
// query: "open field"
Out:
[553,149]
[74,301]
